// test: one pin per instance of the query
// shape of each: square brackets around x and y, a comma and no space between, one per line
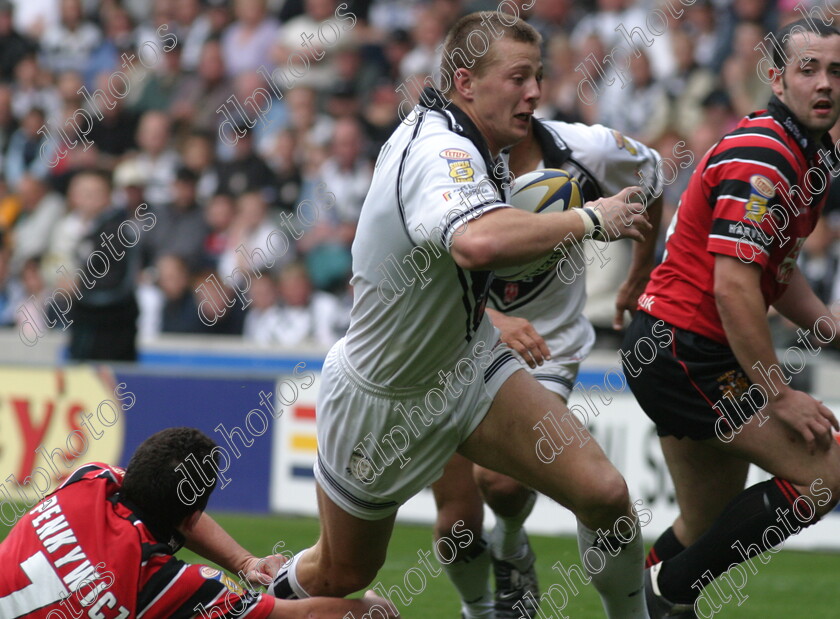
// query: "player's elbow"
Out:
[475,253]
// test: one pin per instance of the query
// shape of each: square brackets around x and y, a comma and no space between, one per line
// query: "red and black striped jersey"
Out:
[756,195]
[82,552]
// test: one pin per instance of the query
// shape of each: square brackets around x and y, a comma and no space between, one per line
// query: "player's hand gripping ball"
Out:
[542,191]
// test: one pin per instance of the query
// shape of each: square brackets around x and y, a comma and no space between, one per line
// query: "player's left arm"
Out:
[800,304]
[208,539]
[641,265]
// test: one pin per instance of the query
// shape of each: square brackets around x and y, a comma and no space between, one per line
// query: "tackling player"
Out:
[421,373]
[718,394]
[102,545]
[542,319]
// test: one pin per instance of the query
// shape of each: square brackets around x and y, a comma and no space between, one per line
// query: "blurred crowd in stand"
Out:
[210,124]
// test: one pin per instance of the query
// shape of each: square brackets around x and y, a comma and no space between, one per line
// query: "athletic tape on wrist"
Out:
[592,222]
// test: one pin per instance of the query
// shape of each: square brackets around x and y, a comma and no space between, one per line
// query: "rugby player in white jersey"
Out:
[541,318]
[421,373]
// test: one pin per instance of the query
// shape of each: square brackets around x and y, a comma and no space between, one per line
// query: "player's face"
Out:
[507,93]
[812,90]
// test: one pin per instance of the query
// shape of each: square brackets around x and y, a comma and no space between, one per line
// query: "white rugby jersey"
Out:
[605,162]
[410,322]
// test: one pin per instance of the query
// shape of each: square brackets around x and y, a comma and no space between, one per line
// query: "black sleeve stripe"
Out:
[741,230]
[159,581]
[213,592]
[729,187]
[758,157]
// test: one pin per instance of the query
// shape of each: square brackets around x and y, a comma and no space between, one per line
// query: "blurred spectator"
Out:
[105,318]
[282,158]
[13,45]
[247,171]
[306,315]
[180,227]
[379,115]
[740,71]
[33,17]
[199,96]
[718,119]
[397,45]
[118,40]
[311,127]
[24,154]
[560,99]
[68,44]
[730,15]
[263,317]
[158,88]
[249,238]
[265,123]
[218,215]
[689,85]
[552,19]
[246,43]
[232,316]
[156,156]
[7,119]
[193,27]
[179,313]
[30,299]
[9,212]
[198,155]
[640,109]
[31,92]
[41,209]
[424,58]
[701,20]
[114,135]
[11,294]
[347,173]
[317,24]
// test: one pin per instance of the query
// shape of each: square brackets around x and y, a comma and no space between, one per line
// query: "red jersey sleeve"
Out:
[172,588]
[747,185]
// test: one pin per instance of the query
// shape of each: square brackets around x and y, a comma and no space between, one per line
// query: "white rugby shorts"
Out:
[379,446]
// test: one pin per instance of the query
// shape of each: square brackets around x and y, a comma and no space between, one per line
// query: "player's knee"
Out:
[606,501]
[499,490]
[461,515]
[345,579]
[825,492]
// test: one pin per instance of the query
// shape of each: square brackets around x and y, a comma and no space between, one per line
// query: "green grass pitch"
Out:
[792,584]
[800,585]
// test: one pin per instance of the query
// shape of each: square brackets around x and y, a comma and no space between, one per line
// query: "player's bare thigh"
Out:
[783,453]
[503,493]
[579,477]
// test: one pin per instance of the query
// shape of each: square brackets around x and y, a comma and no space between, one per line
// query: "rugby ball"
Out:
[542,191]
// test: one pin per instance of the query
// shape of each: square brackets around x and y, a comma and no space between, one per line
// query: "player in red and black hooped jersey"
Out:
[698,354]
[95,549]
[750,200]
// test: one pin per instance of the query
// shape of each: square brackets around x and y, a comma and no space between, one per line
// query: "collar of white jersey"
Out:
[459,122]
[554,150]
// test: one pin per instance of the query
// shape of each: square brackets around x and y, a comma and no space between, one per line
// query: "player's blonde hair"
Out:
[469,44]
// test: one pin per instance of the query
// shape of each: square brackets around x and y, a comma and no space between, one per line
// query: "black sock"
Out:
[666,547]
[739,533]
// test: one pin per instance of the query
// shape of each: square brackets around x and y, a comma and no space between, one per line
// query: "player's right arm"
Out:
[743,314]
[509,237]
[334,608]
